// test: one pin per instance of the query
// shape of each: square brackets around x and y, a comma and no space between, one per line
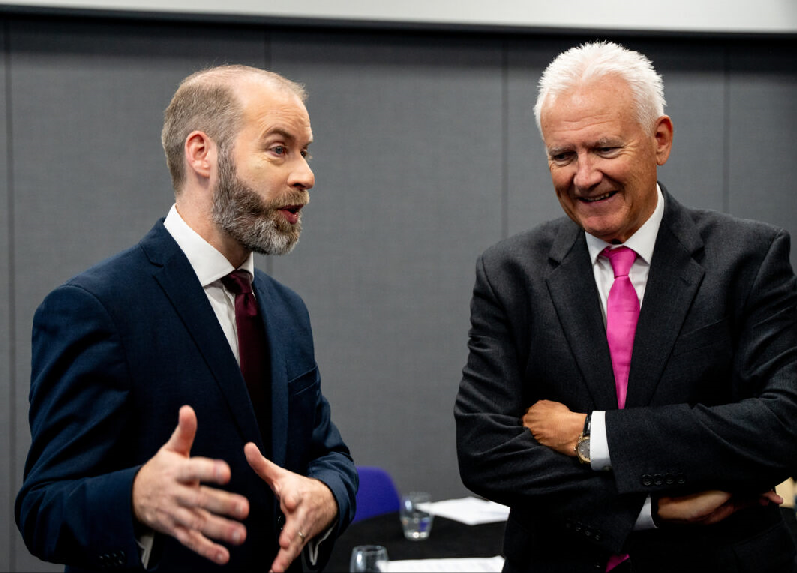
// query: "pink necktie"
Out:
[622,313]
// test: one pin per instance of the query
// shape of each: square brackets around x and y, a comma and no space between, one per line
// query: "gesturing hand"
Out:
[168,495]
[308,505]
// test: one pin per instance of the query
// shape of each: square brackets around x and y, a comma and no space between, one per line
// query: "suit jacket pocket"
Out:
[717,334]
[699,367]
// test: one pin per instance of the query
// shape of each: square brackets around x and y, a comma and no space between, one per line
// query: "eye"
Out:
[279,149]
[561,158]
[608,151]
[306,154]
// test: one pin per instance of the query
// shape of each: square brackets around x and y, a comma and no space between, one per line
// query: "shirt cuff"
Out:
[313,545]
[645,518]
[598,444]
[145,543]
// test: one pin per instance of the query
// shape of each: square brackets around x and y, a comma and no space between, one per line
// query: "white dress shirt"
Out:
[210,267]
[642,242]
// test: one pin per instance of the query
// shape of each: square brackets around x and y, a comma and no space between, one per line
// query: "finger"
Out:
[265,468]
[183,437]
[209,526]
[771,497]
[213,500]
[198,543]
[203,470]
[284,559]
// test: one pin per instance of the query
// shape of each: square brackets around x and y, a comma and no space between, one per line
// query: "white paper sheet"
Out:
[469,510]
[474,564]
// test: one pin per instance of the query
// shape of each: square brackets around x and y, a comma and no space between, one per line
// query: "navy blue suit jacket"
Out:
[712,395]
[116,352]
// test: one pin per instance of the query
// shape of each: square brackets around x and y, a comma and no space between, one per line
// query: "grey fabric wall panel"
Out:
[90,177]
[762,121]
[694,87]
[408,164]
[7,413]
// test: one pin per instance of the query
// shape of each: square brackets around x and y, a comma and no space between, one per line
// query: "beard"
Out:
[254,222]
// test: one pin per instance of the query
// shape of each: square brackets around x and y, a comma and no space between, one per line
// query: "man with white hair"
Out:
[631,387]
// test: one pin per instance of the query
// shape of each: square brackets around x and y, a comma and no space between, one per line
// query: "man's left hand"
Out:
[308,505]
[553,424]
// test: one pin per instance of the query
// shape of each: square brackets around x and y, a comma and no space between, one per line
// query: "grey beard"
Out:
[256,224]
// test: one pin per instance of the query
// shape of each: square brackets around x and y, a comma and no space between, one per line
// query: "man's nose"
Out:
[302,177]
[587,173]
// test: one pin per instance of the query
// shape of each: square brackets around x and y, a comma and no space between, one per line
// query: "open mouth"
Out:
[599,198]
[291,213]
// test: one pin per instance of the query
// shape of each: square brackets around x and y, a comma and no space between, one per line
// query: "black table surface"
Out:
[447,539]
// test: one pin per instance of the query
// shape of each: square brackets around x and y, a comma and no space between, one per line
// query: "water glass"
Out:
[416,520]
[368,559]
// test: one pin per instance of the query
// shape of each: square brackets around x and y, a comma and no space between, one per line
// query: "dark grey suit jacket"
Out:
[712,398]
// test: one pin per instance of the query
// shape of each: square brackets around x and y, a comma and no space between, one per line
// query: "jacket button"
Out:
[647,480]
[658,480]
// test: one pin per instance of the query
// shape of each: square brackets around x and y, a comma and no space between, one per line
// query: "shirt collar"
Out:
[642,242]
[208,263]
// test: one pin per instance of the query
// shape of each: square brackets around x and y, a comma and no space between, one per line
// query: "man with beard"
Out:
[174,330]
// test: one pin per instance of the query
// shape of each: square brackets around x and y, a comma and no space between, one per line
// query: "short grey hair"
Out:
[207,101]
[589,61]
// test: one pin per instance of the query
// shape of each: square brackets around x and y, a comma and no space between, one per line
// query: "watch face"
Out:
[583,449]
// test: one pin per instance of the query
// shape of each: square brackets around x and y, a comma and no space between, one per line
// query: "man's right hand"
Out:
[707,507]
[168,496]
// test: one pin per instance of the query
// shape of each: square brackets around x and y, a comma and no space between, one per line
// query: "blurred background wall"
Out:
[425,154]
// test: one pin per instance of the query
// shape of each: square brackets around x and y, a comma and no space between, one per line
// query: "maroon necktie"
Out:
[252,347]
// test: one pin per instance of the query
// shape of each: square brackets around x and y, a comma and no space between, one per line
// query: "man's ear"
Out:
[200,154]
[663,134]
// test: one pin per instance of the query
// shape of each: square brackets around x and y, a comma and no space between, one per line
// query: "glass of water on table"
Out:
[416,520]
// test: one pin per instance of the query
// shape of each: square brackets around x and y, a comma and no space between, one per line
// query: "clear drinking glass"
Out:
[416,520]
[368,559]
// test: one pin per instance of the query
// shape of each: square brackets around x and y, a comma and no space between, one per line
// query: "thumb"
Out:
[183,437]
[265,468]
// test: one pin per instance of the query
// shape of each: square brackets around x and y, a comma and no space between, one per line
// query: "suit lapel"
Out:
[179,283]
[673,282]
[575,297]
[270,310]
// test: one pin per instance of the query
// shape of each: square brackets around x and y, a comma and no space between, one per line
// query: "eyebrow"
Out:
[284,133]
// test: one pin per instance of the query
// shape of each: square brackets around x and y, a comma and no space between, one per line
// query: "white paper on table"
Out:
[468,510]
[470,564]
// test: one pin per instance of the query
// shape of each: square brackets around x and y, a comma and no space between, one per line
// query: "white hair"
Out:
[581,64]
